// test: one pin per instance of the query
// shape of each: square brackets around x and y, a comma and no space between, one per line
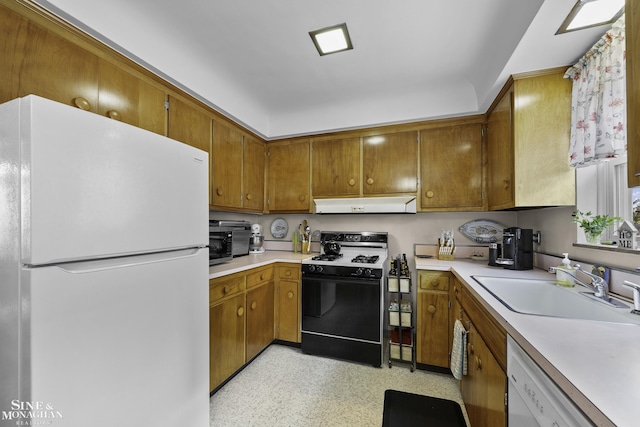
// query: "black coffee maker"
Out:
[517,249]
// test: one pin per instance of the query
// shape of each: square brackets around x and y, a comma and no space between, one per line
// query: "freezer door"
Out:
[111,345]
[95,187]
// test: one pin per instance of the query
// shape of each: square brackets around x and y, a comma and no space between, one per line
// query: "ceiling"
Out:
[412,60]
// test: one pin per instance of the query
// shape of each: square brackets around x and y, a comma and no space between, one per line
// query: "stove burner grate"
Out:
[364,259]
[326,257]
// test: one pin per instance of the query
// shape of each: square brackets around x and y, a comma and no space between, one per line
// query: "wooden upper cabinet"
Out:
[226,185]
[37,61]
[528,131]
[189,124]
[288,183]
[632,39]
[451,168]
[390,164]
[122,96]
[336,168]
[500,154]
[253,174]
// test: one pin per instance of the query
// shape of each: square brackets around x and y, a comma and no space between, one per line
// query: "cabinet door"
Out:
[289,177]
[500,188]
[188,124]
[472,388]
[253,174]
[433,328]
[451,168]
[390,163]
[226,186]
[632,29]
[37,61]
[122,96]
[259,319]
[227,339]
[288,311]
[336,168]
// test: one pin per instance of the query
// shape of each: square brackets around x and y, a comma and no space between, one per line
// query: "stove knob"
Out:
[359,272]
[312,268]
[319,269]
[367,272]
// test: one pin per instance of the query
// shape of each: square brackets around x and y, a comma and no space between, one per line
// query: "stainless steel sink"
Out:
[545,298]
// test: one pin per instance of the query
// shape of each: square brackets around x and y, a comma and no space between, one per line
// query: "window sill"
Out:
[610,248]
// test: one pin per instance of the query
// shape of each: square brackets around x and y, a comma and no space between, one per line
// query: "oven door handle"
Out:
[340,279]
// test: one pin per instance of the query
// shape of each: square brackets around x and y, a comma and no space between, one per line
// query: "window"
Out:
[611,195]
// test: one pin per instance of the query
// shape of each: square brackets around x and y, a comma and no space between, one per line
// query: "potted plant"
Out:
[593,225]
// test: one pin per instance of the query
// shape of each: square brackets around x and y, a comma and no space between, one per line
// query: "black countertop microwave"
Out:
[228,239]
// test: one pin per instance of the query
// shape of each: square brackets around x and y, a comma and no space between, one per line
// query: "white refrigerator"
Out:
[103,272]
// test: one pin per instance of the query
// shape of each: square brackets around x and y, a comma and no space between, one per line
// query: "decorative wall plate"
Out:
[279,228]
[482,230]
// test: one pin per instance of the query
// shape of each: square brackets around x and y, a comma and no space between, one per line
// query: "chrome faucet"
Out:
[598,284]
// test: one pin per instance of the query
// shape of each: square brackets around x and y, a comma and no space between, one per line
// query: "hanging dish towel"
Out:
[458,352]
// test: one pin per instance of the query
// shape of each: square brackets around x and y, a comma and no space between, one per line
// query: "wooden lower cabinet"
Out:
[432,346]
[259,318]
[288,302]
[484,388]
[226,339]
[247,311]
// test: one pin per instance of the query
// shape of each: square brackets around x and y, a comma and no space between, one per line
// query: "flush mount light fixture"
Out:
[331,39]
[591,13]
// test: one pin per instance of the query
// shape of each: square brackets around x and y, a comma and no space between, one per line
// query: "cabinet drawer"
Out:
[224,287]
[292,273]
[256,277]
[434,280]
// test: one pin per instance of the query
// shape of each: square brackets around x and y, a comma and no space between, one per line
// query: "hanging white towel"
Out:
[458,351]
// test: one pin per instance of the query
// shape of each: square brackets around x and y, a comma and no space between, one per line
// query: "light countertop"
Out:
[597,364]
[247,262]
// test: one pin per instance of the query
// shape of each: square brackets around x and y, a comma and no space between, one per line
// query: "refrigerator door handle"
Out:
[128,261]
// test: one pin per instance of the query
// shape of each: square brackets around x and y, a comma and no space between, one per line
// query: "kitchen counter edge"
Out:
[247,262]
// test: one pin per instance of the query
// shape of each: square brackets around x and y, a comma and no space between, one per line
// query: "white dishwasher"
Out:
[534,399]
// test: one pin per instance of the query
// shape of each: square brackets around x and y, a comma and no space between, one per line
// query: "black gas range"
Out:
[342,298]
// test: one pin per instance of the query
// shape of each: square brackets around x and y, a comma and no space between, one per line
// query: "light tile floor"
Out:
[285,387]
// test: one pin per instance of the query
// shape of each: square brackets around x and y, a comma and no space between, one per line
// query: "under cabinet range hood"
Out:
[398,204]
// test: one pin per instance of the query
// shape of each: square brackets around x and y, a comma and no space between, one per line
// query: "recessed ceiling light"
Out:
[591,13]
[331,39]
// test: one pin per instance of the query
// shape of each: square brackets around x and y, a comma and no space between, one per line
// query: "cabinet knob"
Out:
[352,182]
[113,114]
[431,309]
[302,197]
[82,104]
[240,311]
[478,363]
[254,305]
[506,183]
[262,277]
[434,283]
[429,194]
[248,196]
[219,191]
[225,290]
[287,273]
[370,181]
[289,294]
[470,348]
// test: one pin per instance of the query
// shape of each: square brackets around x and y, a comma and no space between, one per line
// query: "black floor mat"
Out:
[408,410]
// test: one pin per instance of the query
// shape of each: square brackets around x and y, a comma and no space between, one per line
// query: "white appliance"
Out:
[534,399]
[103,273]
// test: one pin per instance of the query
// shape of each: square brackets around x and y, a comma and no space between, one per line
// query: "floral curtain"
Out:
[598,112]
